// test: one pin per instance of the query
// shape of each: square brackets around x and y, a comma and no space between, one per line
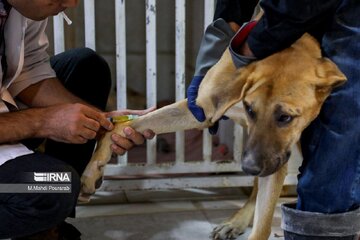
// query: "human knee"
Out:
[94,75]
[93,62]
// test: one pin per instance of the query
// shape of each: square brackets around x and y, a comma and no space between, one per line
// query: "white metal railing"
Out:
[59,37]
[120,31]
[180,8]
[208,17]
[123,168]
[151,71]
[89,14]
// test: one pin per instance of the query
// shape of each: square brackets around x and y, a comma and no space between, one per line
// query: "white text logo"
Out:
[52,177]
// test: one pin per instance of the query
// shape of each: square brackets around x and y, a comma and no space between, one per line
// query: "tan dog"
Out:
[281,94]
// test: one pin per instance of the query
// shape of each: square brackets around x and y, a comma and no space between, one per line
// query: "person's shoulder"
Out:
[17,17]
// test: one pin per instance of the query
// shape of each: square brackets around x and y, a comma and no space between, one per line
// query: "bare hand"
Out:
[74,123]
[123,144]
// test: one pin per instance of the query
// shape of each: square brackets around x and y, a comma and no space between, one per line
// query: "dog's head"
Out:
[281,95]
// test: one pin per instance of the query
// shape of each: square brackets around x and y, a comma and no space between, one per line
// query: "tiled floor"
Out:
[162,215]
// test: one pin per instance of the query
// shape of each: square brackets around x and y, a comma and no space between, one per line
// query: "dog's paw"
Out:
[88,185]
[227,230]
[84,198]
[91,178]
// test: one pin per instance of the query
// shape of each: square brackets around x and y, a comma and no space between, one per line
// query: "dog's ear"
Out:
[309,45]
[232,92]
[328,75]
[222,87]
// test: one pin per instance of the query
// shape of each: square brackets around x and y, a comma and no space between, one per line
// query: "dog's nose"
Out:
[250,166]
[251,169]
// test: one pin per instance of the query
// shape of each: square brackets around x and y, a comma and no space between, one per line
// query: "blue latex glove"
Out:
[197,111]
[192,93]
[215,41]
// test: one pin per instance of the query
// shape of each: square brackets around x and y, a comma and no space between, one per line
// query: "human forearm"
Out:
[71,123]
[16,126]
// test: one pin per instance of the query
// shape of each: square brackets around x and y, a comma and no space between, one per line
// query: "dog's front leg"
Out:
[269,192]
[236,225]
[174,117]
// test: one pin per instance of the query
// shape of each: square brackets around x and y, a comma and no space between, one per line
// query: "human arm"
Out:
[51,92]
[235,11]
[284,22]
[71,123]
[214,42]
[59,115]
[229,15]
[54,113]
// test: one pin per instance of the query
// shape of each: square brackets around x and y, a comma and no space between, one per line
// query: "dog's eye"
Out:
[284,119]
[249,111]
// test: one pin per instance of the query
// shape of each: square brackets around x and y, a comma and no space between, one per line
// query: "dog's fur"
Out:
[282,95]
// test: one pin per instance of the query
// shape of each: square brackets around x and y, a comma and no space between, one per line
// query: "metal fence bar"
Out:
[121,77]
[89,15]
[180,71]
[209,8]
[233,180]
[179,183]
[151,73]
[169,168]
[59,36]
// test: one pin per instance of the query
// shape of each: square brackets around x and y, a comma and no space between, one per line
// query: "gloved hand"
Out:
[197,111]
[237,42]
[215,40]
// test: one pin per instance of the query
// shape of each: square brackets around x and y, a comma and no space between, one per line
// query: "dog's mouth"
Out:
[276,165]
[264,167]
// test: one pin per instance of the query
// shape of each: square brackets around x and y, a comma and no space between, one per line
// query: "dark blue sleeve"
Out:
[238,11]
[285,21]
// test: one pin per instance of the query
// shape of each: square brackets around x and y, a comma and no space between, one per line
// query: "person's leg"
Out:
[329,180]
[84,73]
[23,214]
[87,76]
[330,175]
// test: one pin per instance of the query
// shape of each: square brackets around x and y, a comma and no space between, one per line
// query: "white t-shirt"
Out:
[11,151]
